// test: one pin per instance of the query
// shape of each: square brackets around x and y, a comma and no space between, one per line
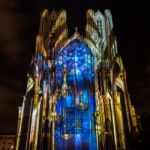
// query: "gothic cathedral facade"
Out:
[76,96]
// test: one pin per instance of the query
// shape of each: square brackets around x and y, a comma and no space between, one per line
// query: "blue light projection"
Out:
[78,59]
[76,110]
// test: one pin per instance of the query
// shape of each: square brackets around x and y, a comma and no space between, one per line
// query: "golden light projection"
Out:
[76,95]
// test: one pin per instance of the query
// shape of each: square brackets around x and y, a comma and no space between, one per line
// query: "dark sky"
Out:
[19,26]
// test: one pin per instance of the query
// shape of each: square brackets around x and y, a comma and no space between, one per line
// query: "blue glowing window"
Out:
[79,61]
[76,109]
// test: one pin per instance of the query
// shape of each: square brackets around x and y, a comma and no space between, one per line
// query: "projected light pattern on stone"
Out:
[76,96]
[78,107]
[79,61]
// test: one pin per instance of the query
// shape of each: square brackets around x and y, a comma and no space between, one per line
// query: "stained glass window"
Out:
[78,60]
[78,107]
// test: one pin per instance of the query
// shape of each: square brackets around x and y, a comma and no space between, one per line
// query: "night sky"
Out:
[19,22]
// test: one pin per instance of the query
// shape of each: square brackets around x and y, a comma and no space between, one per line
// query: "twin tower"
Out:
[76,96]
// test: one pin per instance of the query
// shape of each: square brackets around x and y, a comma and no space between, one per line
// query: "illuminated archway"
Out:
[78,106]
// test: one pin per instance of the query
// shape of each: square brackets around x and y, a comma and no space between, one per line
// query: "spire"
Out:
[76,35]
[76,29]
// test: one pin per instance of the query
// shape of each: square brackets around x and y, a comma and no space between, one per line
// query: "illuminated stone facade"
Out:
[77,96]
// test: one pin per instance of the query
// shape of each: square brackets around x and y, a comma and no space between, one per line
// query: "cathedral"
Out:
[76,96]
